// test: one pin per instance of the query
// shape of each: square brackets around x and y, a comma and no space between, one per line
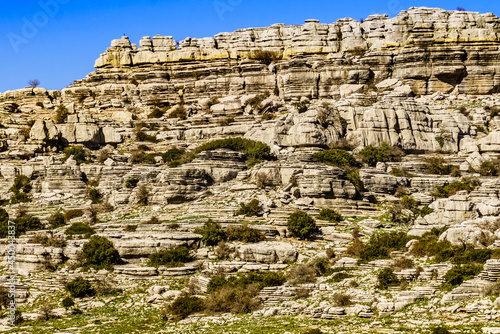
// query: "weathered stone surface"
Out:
[267,252]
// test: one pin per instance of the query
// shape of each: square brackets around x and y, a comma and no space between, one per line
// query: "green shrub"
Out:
[267,116]
[56,220]
[245,233]
[142,136]
[401,173]
[143,147]
[173,156]
[73,213]
[131,182]
[403,263]
[211,233]
[424,211]
[440,330]
[322,267]
[175,257]
[263,279]
[381,244]
[353,176]
[339,277]
[452,188]
[99,253]
[4,223]
[440,140]
[77,152]
[52,241]
[301,224]
[331,215]
[490,168]
[236,300]
[472,255]
[437,165]
[17,198]
[156,113]
[185,305]
[342,299]
[142,195]
[79,288]
[301,106]
[138,156]
[62,114]
[314,331]
[68,302]
[337,158]
[20,188]
[130,228]
[95,196]
[23,224]
[250,209]
[179,112]
[22,183]
[406,211]
[302,273]
[460,273]
[428,245]
[253,150]
[435,231]
[384,153]
[386,278]
[79,228]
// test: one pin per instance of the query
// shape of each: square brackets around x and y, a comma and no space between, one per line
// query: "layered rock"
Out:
[429,49]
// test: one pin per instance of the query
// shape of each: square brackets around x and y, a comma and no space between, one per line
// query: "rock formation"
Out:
[136,146]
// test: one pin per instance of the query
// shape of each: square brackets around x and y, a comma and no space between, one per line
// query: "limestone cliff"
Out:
[430,49]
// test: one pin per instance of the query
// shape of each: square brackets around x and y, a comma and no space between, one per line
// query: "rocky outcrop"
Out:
[431,50]
[267,252]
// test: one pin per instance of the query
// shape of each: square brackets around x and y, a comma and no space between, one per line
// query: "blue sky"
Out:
[57,41]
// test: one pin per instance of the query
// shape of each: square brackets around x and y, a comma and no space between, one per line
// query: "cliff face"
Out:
[429,49]
[137,134]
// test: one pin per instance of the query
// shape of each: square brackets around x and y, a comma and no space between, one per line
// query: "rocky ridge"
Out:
[425,81]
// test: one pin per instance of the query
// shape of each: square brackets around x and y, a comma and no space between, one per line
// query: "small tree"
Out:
[301,224]
[175,257]
[79,288]
[68,302]
[386,277]
[80,228]
[95,196]
[33,83]
[250,209]
[384,153]
[46,311]
[77,152]
[131,182]
[331,215]
[62,114]
[24,224]
[211,233]
[4,297]
[185,305]
[99,253]
[56,220]
[20,188]
[142,195]
[4,223]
